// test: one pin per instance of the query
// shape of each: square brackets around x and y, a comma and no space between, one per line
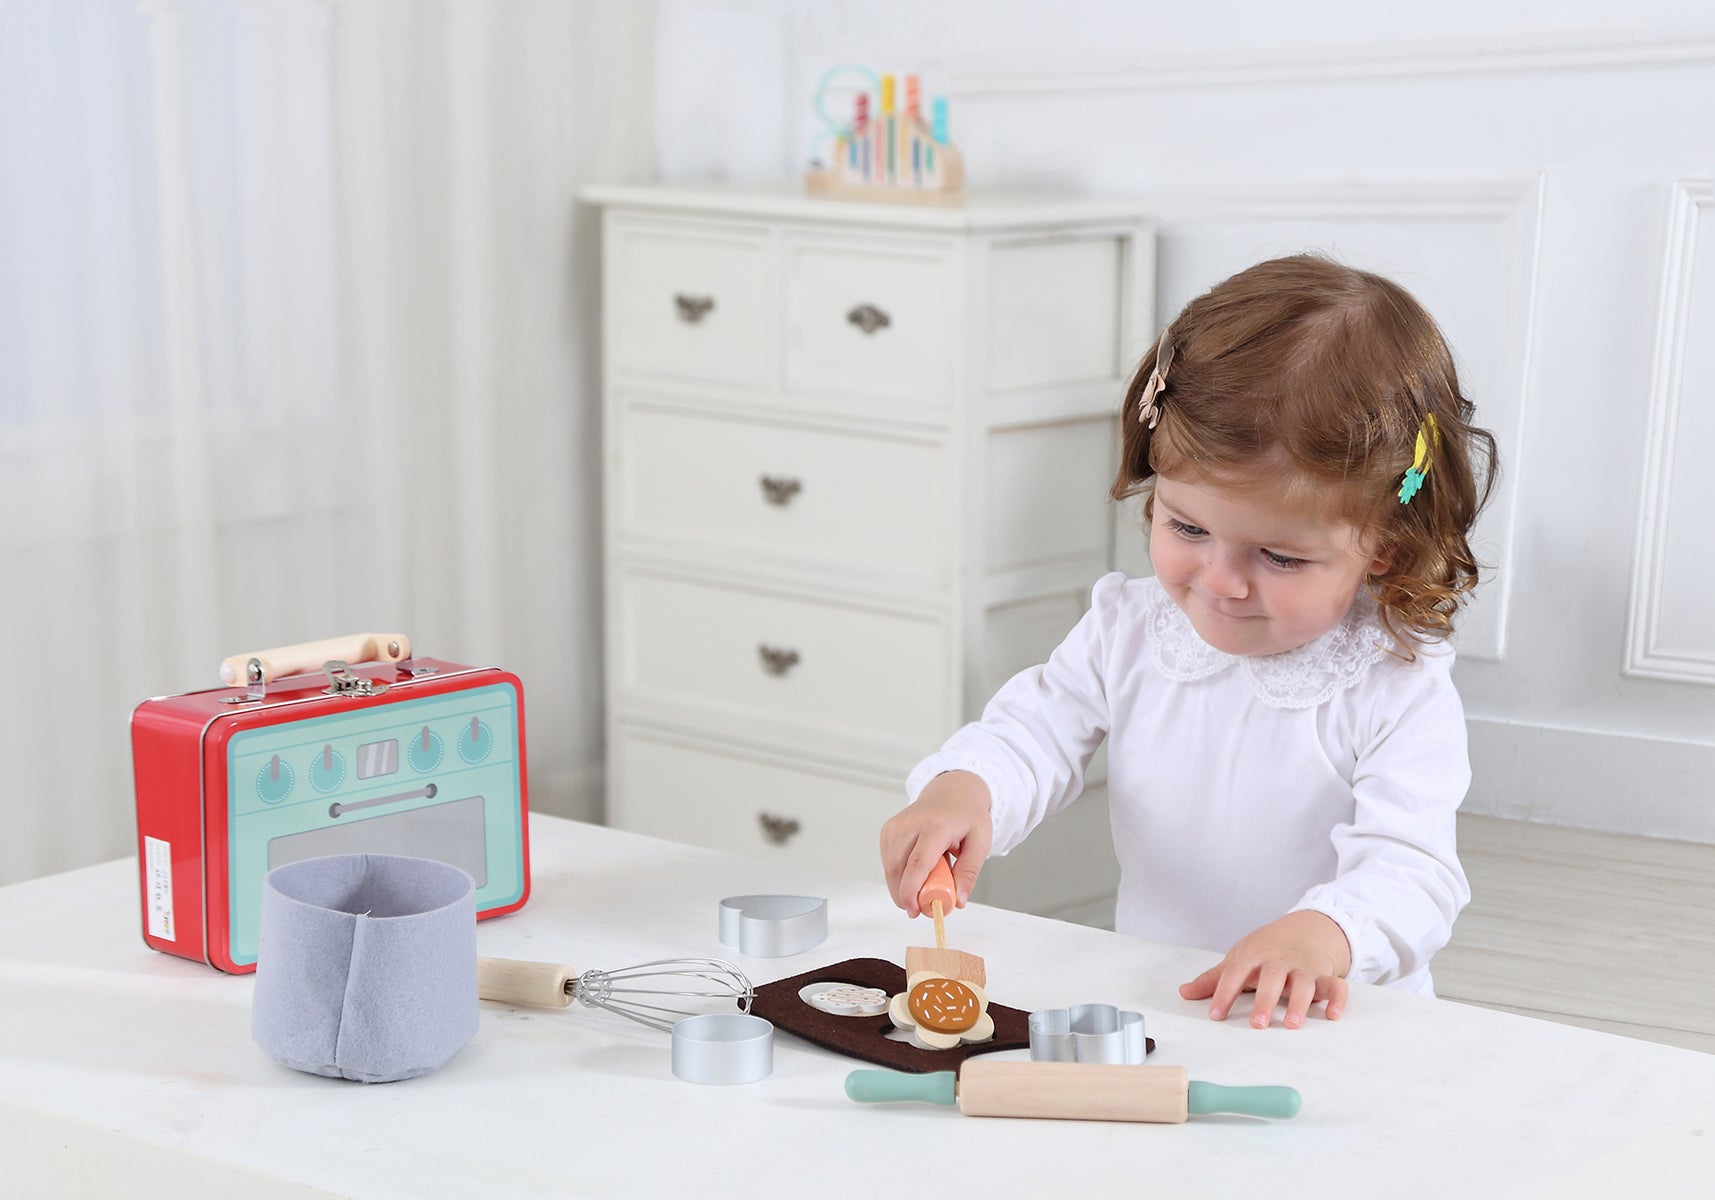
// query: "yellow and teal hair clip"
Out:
[1428,441]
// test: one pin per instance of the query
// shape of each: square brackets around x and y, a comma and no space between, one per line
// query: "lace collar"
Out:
[1305,677]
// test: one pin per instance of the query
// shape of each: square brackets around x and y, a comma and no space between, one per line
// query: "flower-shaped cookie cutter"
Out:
[1093,1033]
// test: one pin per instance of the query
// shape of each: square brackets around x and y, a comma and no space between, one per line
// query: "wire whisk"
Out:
[649,993]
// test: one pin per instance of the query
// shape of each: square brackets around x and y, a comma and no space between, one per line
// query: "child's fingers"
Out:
[1270,982]
[973,852]
[1233,980]
[1302,992]
[1202,987]
[895,851]
[907,853]
[1335,991]
[924,855]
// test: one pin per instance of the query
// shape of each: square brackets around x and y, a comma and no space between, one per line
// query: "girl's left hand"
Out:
[1303,957]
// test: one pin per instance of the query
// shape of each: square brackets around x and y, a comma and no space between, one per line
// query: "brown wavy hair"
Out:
[1329,371]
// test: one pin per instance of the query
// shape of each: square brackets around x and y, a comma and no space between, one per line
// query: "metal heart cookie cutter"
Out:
[1091,1033]
[773,926]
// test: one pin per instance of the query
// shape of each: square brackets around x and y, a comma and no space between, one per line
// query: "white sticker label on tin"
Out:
[158,886]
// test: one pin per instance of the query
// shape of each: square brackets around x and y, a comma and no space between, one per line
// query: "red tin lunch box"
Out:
[375,751]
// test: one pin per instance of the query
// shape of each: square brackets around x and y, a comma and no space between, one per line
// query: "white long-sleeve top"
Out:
[1241,789]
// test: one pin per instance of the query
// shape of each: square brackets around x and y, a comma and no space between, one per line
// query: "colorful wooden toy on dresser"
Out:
[891,152]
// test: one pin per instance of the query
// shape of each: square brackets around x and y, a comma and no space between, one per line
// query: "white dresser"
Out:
[856,470]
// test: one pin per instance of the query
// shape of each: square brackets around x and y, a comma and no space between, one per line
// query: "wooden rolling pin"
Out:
[1073,1092]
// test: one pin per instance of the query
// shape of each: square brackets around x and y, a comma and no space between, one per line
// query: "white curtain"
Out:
[297,338]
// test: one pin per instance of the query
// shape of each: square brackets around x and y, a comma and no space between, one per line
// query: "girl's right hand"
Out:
[951,813]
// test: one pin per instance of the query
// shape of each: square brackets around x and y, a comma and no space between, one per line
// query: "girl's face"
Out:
[1254,573]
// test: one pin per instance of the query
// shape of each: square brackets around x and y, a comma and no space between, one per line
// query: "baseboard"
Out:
[1065,865]
[1593,780]
[576,793]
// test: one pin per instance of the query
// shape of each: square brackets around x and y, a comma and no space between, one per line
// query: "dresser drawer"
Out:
[871,320]
[758,805]
[852,672]
[694,300]
[854,502]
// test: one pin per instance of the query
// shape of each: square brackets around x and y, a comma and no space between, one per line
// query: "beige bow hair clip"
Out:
[1150,412]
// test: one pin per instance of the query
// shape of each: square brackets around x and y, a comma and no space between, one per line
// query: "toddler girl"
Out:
[1287,749]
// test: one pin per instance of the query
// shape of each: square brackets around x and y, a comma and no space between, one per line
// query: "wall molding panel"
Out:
[1663,575]
[1591,779]
[1316,65]
[1196,221]
[1541,180]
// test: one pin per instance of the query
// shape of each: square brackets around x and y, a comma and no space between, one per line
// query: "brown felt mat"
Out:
[866,1037]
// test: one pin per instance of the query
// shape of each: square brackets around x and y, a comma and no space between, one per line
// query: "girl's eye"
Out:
[1180,527]
[1282,561]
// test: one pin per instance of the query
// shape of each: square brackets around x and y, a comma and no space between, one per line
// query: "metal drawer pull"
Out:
[775,660]
[778,830]
[692,308]
[868,318]
[778,489]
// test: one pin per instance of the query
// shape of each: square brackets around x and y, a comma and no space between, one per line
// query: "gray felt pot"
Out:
[366,966]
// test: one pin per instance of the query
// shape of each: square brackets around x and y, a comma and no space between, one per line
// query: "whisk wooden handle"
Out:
[513,981]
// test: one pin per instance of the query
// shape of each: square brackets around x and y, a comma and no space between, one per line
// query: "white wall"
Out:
[1538,174]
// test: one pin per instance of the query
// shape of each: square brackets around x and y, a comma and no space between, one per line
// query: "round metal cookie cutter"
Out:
[723,1048]
[1098,1033]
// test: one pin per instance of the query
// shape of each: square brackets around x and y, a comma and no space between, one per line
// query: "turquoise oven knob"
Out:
[274,780]
[475,741]
[327,769]
[425,751]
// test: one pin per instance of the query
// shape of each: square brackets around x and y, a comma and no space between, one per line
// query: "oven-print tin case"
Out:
[402,755]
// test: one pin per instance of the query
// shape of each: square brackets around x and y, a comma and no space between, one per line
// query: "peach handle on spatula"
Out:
[939,887]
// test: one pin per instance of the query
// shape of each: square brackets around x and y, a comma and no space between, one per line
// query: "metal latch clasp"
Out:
[343,681]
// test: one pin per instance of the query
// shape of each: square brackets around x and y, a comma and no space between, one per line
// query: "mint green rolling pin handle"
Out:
[879,1087]
[1281,1103]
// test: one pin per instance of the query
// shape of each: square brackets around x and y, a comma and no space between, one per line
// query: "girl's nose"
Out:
[1222,579]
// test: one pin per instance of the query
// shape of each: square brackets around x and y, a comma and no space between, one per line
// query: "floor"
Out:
[1607,931]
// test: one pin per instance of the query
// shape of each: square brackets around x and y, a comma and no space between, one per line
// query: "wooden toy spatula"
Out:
[938,897]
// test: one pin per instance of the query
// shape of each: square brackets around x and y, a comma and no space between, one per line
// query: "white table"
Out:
[126,1072]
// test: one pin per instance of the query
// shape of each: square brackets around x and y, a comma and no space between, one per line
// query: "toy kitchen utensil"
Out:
[401,755]
[1098,1033]
[632,992]
[773,926]
[1073,1091]
[866,1037]
[723,1048]
[938,897]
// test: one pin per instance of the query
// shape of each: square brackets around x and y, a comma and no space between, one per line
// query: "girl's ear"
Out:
[1383,557]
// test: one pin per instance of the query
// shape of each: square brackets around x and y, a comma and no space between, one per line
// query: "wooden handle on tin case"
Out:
[305,657]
